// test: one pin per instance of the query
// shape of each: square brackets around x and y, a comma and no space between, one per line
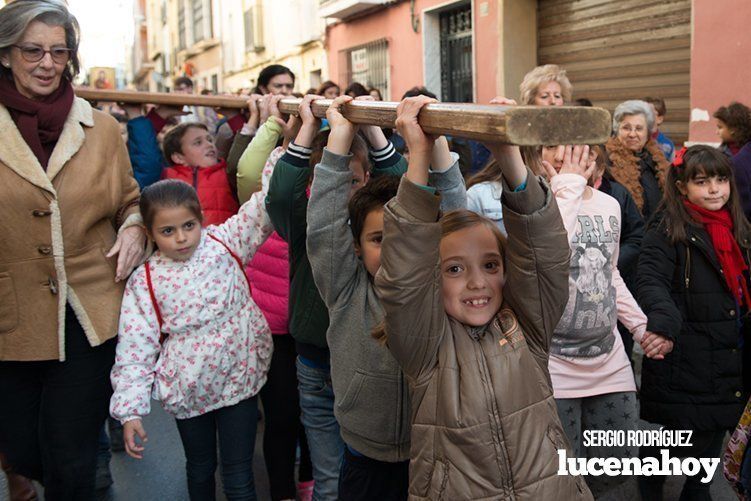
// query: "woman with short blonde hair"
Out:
[545,86]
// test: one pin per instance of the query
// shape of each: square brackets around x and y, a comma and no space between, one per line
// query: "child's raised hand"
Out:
[409,128]
[501,150]
[306,114]
[373,134]
[342,130]
[309,123]
[576,160]
[291,126]
[264,108]
[420,145]
[335,117]
[130,430]
[508,156]
[255,113]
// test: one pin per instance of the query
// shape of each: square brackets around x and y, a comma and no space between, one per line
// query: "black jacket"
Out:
[700,384]
[632,231]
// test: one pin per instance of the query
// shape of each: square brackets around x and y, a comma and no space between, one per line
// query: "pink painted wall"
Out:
[405,46]
[487,46]
[720,55]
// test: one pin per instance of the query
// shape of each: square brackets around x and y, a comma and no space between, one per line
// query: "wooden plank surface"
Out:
[522,125]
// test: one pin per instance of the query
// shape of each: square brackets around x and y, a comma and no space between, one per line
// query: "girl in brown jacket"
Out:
[475,352]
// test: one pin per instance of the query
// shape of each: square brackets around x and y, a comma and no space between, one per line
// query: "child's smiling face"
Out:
[472,275]
[711,193]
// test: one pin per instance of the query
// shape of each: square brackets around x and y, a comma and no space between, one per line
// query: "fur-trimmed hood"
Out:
[624,167]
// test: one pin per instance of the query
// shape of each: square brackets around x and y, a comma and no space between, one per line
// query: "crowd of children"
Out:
[410,337]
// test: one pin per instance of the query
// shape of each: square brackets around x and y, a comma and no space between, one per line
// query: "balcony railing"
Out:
[343,9]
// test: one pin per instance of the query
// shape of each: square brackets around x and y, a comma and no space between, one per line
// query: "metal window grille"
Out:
[456,55]
[367,64]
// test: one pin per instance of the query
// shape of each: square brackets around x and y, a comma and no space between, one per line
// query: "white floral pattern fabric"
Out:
[218,346]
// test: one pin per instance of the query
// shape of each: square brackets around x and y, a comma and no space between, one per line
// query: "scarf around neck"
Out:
[40,121]
[719,225]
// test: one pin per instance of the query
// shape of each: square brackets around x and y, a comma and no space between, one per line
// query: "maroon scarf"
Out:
[719,225]
[40,121]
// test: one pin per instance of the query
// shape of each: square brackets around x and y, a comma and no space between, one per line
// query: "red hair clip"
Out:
[678,161]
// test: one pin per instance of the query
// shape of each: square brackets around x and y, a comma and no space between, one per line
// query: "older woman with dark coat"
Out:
[636,160]
[69,205]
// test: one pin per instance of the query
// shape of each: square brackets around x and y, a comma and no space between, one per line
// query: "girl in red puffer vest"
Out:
[190,147]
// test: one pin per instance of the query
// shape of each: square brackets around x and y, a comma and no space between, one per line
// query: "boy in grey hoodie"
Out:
[343,242]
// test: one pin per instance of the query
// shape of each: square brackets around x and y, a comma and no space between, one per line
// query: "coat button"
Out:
[738,394]
[41,213]
[53,285]
[44,250]
[732,313]
[693,239]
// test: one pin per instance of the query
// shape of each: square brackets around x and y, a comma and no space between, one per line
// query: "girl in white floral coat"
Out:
[191,336]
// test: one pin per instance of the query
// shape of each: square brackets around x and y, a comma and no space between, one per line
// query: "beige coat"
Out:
[55,230]
[484,422]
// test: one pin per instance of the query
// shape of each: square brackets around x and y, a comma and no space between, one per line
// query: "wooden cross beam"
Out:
[520,125]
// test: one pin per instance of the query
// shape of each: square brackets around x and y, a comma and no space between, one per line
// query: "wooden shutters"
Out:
[614,50]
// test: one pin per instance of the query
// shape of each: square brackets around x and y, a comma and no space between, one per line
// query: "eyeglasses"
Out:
[627,128]
[34,54]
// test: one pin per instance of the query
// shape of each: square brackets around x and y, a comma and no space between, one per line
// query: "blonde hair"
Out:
[542,75]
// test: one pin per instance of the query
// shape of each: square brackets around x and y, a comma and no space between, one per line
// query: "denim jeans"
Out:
[236,427]
[322,430]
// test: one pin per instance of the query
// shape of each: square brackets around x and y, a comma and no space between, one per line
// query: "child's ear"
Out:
[178,158]
[358,249]
[681,187]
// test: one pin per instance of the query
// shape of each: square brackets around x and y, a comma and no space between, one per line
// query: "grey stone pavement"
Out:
[160,475]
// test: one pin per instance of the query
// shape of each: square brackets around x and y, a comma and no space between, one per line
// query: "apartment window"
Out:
[253,24]
[214,83]
[181,27]
[197,8]
[367,64]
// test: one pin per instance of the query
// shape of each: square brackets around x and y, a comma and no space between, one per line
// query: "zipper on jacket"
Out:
[195,178]
[494,420]
[687,270]
[401,413]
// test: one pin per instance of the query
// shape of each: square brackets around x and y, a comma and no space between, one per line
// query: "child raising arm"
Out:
[475,352]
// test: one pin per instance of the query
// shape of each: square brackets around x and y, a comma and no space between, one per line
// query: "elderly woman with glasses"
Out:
[636,160]
[71,234]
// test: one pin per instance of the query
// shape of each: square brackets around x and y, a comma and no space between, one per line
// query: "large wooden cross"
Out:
[520,125]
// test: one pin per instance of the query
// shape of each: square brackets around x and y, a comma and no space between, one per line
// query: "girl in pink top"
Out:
[592,379]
